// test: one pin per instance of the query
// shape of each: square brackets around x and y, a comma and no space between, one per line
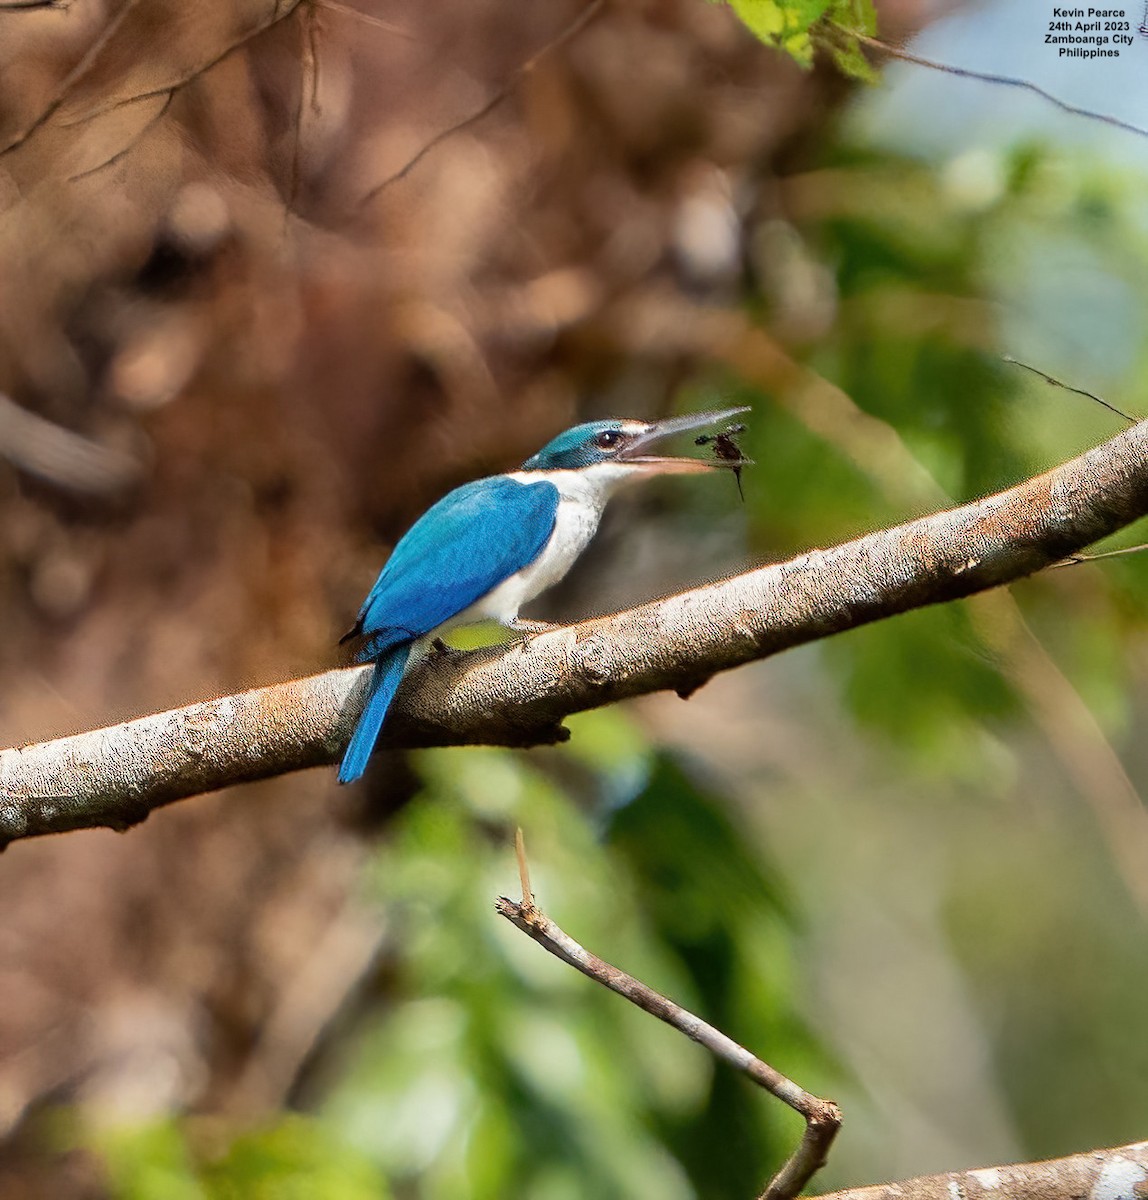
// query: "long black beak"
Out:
[635,455]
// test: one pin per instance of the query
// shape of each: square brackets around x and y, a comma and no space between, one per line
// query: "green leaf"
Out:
[850,60]
[856,16]
[797,26]
[763,18]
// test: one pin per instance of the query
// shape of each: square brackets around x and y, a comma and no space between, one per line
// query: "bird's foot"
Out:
[530,629]
[440,650]
[533,627]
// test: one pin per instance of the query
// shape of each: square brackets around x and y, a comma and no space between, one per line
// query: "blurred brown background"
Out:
[260,333]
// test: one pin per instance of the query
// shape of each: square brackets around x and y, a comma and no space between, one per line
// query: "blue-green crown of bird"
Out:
[585,445]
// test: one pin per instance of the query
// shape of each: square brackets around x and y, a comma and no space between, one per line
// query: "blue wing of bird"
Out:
[457,551]
[465,545]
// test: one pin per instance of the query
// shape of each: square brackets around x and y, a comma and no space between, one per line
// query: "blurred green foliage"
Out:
[292,1158]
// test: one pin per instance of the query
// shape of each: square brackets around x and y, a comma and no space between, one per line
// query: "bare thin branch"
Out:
[1052,379]
[72,78]
[584,17]
[822,1117]
[138,137]
[1120,1173]
[312,56]
[62,457]
[1075,559]
[518,695]
[523,868]
[279,12]
[366,18]
[1004,80]
[308,95]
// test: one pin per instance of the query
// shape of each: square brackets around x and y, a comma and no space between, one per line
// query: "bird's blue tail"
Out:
[380,692]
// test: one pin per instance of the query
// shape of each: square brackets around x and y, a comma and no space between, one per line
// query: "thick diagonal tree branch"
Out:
[519,695]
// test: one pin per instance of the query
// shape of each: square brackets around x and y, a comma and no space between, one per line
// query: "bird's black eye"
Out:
[608,439]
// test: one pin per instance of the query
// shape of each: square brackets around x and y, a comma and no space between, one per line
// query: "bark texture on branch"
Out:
[1120,1173]
[518,695]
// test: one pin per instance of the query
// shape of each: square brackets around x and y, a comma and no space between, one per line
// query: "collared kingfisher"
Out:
[489,546]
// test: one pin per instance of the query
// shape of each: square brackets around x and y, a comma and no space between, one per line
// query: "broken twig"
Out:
[822,1117]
